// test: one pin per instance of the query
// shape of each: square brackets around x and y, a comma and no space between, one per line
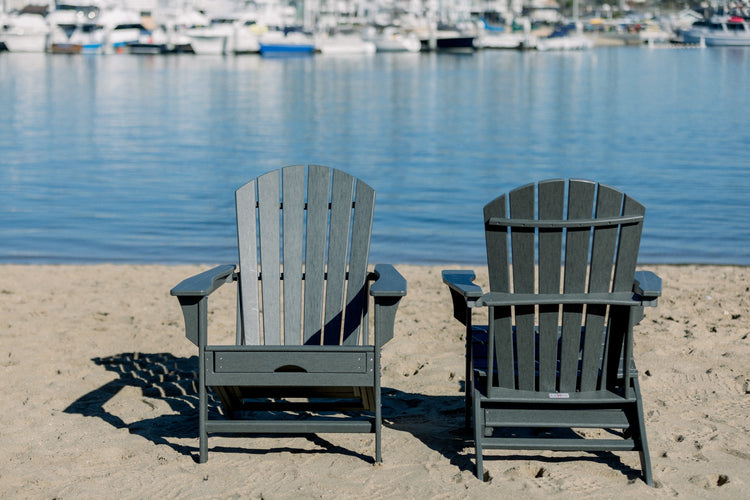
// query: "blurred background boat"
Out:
[719,31]
[392,39]
[25,33]
[289,41]
[566,37]
[344,43]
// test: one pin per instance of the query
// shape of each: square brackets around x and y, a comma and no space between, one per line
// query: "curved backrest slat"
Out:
[604,241]
[580,206]
[575,237]
[303,240]
[269,230]
[342,196]
[551,207]
[247,246]
[318,187]
[293,221]
[522,205]
[498,261]
[356,292]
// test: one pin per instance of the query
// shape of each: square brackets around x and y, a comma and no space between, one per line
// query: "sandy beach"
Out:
[99,399]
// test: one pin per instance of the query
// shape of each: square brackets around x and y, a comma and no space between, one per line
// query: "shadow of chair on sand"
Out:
[160,376]
[436,421]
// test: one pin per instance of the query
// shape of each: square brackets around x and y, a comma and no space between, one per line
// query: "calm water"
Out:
[135,159]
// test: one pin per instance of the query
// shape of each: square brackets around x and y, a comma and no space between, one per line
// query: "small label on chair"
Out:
[559,395]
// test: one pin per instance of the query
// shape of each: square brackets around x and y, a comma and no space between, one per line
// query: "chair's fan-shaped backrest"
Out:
[556,237]
[304,239]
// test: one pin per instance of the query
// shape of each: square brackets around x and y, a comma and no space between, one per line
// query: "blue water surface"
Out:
[136,158]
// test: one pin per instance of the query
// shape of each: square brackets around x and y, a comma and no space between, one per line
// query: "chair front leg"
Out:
[469,376]
[478,434]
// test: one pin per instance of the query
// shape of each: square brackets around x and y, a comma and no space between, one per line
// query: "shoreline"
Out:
[99,398]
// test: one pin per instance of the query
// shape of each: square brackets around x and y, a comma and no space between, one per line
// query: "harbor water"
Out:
[135,159]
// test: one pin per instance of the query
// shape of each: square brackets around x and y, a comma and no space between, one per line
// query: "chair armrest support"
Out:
[193,295]
[387,290]
[464,292]
[647,288]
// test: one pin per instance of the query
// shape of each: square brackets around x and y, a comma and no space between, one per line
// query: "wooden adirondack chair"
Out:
[303,342]
[564,297]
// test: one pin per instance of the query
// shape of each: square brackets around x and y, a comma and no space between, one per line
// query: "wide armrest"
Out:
[464,293]
[647,285]
[388,283]
[461,281]
[205,283]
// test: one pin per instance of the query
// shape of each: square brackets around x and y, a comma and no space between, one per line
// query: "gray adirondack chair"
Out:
[557,352]
[303,340]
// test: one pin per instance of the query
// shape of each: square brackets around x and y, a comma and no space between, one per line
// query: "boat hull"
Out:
[457,42]
[147,48]
[716,40]
[279,44]
[25,43]
[572,42]
[208,44]
[281,49]
[345,46]
[65,48]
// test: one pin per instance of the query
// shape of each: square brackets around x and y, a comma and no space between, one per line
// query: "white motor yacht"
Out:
[344,43]
[392,39]
[719,31]
[25,33]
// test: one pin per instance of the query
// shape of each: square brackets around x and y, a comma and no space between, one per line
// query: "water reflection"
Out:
[126,158]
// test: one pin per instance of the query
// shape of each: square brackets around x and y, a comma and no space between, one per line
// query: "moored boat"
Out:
[565,37]
[460,36]
[500,40]
[636,33]
[719,31]
[85,38]
[150,41]
[450,38]
[75,28]
[25,33]
[344,44]
[392,39]
[287,42]
[209,40]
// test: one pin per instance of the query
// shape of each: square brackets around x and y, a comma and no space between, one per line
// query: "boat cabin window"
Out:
[735,27]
